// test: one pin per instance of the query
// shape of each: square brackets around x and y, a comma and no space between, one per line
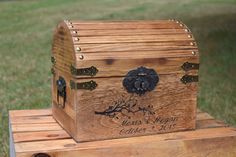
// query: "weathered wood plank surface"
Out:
[178,115]
[212,138]
[125,32]
[106,44]
[77,25]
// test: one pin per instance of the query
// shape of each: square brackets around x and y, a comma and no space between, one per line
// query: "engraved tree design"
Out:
[122,106]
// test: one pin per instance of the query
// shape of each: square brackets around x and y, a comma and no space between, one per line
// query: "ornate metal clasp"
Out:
[189,78]
[61,91]
[91,71]
[140,80]
[190,66]
[90,85]
[53,60]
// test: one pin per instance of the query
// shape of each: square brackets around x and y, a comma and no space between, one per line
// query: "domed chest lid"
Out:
[113,48]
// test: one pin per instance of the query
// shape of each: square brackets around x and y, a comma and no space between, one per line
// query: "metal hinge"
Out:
[189,78]
[53,60]
[90,85]
[91,71]
[190,66]
[53,71]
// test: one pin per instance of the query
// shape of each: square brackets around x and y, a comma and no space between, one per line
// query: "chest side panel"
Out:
[63,98]
[63,54]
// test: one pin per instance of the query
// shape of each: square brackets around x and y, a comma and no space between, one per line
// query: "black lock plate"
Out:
[140,80]
[61,91]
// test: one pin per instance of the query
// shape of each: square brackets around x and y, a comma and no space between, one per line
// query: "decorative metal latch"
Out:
[53,71]
[140,80]
[90,85]
[61,91]
[190,66]
[91,71]
[53,60]
[189,78]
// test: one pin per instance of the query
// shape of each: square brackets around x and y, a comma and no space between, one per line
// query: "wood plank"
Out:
[203,116]
[11,140]
[123,25]
[121,22]
[134,47]
[35,127]
[210,123]
[120,67]
[204,120]
[40,136]
[110,67]
[182,141]
[33,112]
[214,147]
[217,142]
[64,120]
[129,56]
[125,47]
[62,38]
[81,33]
[125,51]
[32,119]
[59,57]
[199,110]
[130,39]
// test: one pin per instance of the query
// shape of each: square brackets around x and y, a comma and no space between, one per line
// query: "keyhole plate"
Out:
[140,80]
[61,91]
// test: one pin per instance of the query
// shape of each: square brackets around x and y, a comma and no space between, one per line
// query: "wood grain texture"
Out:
[32,119]
[120,66]
[11,140]
[40,135]
[125,25]
[111,41]
[35,127]
[135,47]
[116,48]
[147,54]
[204,141]
[126,32]
[173,104]
[131,39]
[24,113]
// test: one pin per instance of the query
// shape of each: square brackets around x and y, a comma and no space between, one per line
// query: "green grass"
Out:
[26,28]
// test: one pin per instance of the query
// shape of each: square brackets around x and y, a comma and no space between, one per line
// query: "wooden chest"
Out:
[122,79]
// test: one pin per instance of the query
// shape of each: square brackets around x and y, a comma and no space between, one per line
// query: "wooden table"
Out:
[34,133]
